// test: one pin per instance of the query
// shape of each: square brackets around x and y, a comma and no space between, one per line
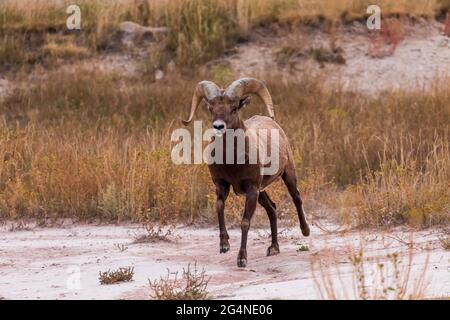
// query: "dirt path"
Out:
[38,263]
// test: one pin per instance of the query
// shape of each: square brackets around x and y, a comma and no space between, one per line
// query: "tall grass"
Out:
[403,192]
[76,148]
[73,147]
[199,29]
[91,145]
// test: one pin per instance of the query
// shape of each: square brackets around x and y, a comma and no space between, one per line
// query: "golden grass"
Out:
[90,145]
[73,147]
[400,193]
[199,29]
[65,50]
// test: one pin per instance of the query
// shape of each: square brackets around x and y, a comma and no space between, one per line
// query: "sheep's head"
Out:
[224,105]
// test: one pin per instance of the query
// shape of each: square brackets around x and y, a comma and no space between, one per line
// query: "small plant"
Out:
[120,275]
[113,201]
[20,225]
[287,55]
[122,247]
[65,50]
[445,240]
[155,233]
[191,286]
[302,247]
[324,55]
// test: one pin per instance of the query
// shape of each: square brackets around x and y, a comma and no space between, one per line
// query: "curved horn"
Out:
[250,85]
[205,89]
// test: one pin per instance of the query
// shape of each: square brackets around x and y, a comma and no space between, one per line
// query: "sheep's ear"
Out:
[243,102]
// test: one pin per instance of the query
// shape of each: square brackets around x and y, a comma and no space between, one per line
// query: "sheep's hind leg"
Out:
[250,206]
[270,208]
[290,179]
[222,191]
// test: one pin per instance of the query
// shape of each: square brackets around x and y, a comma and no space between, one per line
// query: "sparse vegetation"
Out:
[121,246]
[385,278]
[444,239]
[155,232]
[192,285]
[116,276]
[322,55]
[302,247]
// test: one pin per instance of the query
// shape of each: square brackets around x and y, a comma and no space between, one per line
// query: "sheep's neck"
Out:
[240,125]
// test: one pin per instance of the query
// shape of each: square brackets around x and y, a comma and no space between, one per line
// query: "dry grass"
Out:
[295,48]
[72,147]
[119,275]
[444,239]
[199,29]
[377,278]
[302,247]
[445,242]
[191,286]
[401,193]
[94,152]
[64,48]
[155,232]
[121,246]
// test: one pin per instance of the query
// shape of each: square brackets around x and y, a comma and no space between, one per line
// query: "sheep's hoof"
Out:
[305,230]
[224,247]
[273,250]
[241,262]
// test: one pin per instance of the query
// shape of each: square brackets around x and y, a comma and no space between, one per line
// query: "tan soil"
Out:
[34,263]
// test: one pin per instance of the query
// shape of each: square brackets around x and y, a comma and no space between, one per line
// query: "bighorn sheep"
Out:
[246,178]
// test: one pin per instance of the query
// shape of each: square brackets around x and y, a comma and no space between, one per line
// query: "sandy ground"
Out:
[42,263]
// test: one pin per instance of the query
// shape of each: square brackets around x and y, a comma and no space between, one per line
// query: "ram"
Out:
[247,178]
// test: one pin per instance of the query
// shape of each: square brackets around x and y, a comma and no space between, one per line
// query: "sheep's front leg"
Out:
[222,191]
[250,206]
